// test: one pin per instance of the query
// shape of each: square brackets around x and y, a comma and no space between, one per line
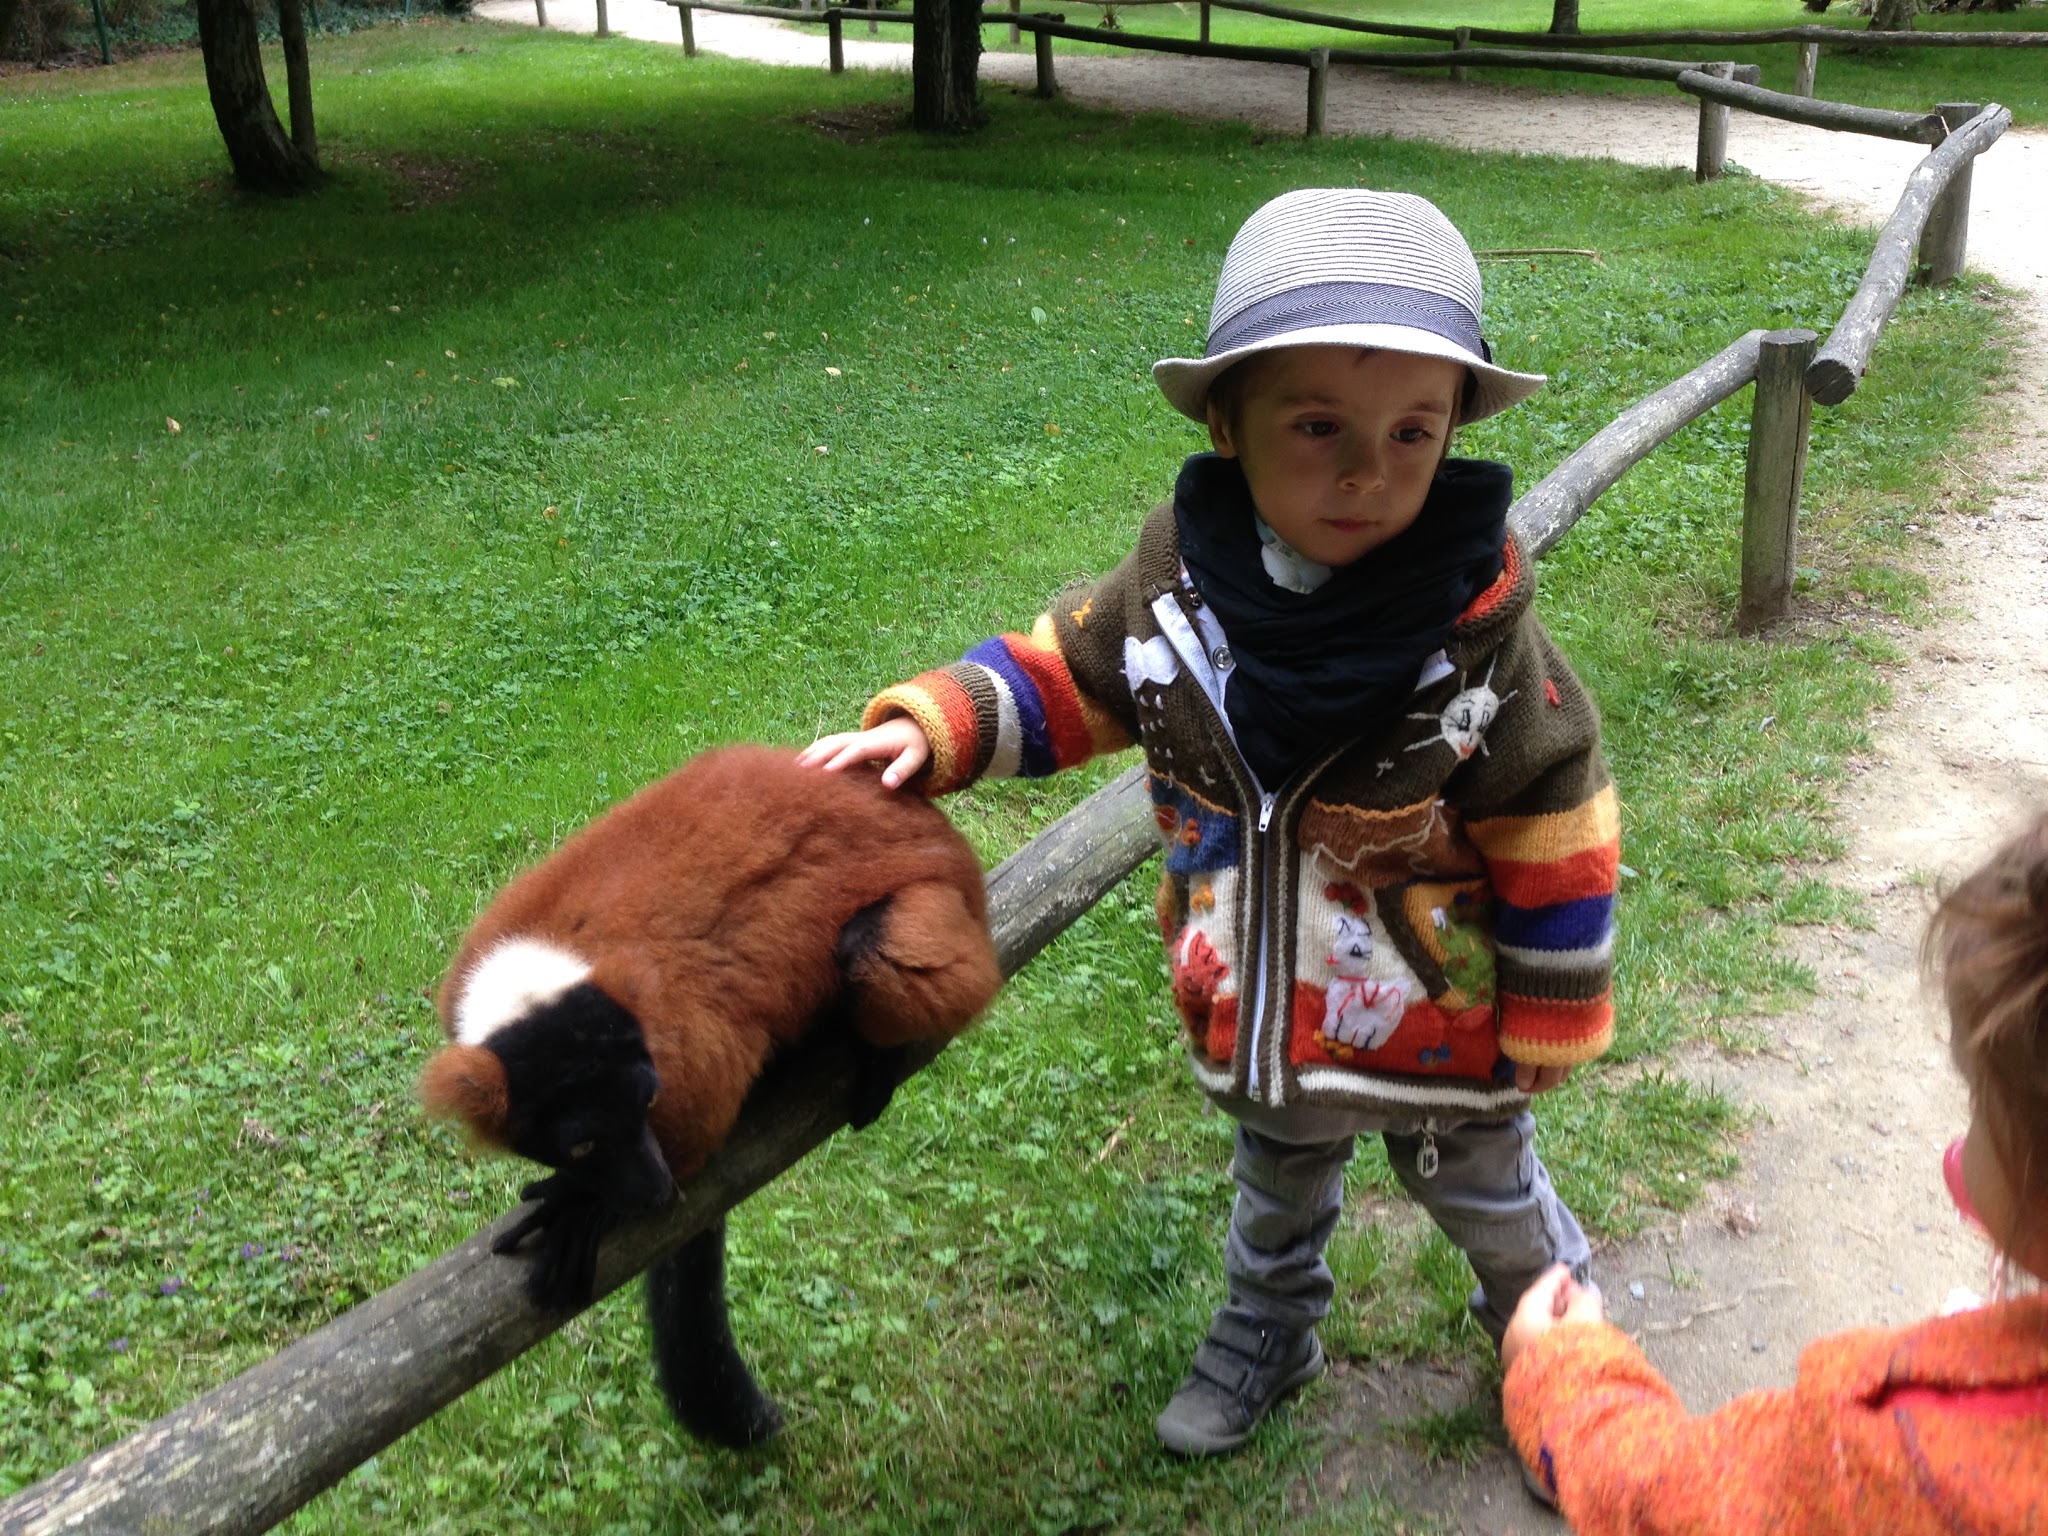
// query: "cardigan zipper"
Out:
[1263,890]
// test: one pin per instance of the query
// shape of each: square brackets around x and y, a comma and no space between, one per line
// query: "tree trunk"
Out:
[9,9]
[291,28]
[1893,15]
[263,158]
[945,57]
[1564,17]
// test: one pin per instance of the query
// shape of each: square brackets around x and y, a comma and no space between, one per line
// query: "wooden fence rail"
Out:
[1832,376]
[1841,37]
[1914,127]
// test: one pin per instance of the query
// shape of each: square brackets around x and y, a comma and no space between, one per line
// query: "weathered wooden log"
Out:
[835,41]
[1541,517]
[1514,58]
[689,32]
[248,1453]
[1780,421]
[1806,69]
[1712,152]
[1045,27]
[1318,90]
[1831,377]
[1946,239]
[1913,127]
[1721,38]
[1461,39]
[604,20]
[1041,47]
[1594,41]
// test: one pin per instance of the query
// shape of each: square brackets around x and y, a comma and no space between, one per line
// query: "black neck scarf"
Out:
[1316,669]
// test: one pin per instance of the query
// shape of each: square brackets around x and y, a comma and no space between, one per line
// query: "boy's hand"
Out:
[1555,1298]
[898,743]
[1539,1079]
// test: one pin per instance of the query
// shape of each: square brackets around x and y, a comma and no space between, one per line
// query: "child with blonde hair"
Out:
[1940,1427]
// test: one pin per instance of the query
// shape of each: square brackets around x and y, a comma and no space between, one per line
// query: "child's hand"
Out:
[1555,1298]
[1539,1079]
[898,743]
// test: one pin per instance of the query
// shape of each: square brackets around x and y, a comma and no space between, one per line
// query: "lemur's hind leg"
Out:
[708,1386]
[918,966]
[924,966]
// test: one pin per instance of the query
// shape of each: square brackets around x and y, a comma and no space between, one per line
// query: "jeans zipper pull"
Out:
[1426,1159]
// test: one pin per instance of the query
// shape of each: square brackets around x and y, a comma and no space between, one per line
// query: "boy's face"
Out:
[1339,444]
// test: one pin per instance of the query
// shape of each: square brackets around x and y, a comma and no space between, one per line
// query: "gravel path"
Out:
[1838,1217]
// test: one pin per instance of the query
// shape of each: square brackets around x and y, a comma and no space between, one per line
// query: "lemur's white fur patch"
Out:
[514,977]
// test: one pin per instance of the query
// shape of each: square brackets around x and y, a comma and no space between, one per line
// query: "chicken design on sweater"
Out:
[1399,924]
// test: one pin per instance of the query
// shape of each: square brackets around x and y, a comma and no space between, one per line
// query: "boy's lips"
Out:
[1346,524]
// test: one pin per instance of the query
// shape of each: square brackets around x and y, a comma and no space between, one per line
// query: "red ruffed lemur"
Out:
[610,1010]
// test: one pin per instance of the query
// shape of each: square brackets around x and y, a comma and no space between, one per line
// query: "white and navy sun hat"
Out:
[1346,267]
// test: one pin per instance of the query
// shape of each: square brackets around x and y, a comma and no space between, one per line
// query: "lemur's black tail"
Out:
[708,1386]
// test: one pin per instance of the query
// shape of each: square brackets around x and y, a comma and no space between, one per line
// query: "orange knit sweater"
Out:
[1940,1427]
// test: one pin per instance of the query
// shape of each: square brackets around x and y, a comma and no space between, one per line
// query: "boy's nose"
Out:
[1362,469]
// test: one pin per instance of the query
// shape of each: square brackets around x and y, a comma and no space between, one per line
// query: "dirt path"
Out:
[1838,1217]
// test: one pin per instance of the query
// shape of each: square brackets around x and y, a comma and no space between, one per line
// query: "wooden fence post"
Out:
[1808,67]
[1461,39]
[1318,89]
[1042,45]
[1713,147]
[604,21]
[875,26]
[1015,7]
[540,12]
[1205,20]
[689,32]
[1945,240]
[1779,421]
[835,41]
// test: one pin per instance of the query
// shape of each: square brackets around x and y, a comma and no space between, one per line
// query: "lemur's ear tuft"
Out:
[467,1083]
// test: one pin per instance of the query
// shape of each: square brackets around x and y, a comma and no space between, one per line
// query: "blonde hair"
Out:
[1988,943]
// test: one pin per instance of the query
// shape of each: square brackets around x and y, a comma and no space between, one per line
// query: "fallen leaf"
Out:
[821,450]
[171,425]
[831,373]
[1052,429]
[505,382]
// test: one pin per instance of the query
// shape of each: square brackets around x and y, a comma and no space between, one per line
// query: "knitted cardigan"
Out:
[1393,928]
[1940,1427]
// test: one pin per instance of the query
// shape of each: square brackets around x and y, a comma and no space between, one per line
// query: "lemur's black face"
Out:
[580,1082]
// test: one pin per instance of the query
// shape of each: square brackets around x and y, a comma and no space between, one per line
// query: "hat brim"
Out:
[1185,381]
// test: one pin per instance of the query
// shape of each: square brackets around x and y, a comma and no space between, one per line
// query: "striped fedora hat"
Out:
[1346,267]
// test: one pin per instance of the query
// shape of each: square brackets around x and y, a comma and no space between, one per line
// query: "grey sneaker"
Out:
[1240,1371]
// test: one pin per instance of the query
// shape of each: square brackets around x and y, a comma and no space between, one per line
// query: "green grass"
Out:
[496,490]
[1910,79]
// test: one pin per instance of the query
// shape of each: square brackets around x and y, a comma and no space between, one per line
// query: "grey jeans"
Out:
[1489,1192]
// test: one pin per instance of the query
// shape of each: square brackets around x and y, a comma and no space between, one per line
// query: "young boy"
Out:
[1391,844]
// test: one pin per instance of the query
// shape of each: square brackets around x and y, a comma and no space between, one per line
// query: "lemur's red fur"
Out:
[709,906]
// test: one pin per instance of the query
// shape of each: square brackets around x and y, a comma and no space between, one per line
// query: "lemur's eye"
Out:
[582,1149]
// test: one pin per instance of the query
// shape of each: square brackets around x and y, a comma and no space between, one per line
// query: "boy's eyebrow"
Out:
[1439,403]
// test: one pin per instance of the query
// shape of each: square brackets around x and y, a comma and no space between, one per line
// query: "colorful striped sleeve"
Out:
[1010,708]
[1542,812]
[1553,881]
